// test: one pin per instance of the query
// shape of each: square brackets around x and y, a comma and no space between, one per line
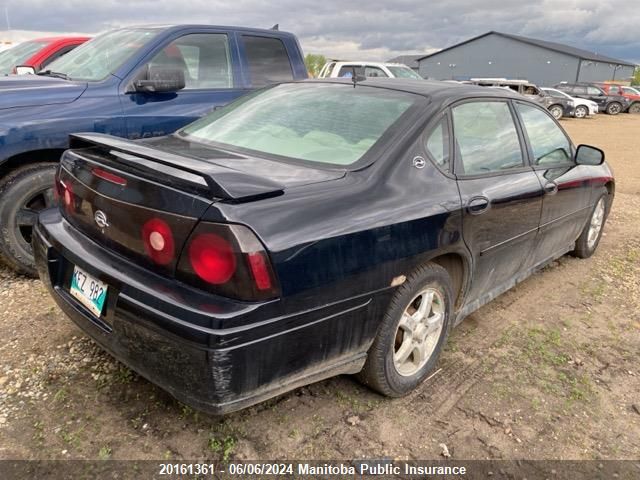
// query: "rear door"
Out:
[212,79]
[500,193]
[566,185]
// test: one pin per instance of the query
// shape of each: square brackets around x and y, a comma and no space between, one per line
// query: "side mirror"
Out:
[25,70]
[588,155]
[161,80]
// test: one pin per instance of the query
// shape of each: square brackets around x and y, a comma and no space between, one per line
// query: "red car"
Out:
[628,92]
[37,53]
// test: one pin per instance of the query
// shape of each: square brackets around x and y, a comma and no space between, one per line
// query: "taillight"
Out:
[228,260]
[65,194]
[157,238]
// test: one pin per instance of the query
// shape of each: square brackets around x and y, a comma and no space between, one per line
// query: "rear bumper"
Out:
[212,353]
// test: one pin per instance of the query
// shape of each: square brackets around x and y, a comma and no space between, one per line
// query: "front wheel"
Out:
[412,333]
[23,194]
[556,111]
[634,108]
[590,237]
[581,111]
[614,108]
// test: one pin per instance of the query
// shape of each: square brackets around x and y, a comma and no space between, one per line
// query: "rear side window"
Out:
[486,138]
[594,91]
[268,60]
[346,71]
[549,144]
[580,90]
[437,144]
[203,57]
[374,72]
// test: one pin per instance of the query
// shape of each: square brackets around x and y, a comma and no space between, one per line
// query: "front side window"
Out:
[437,144]
[98,58]
[268,60]
[373,72]
[548,143]
[486,138]
[346,71]
[203,57]
[404,72]
[594,91]
[578,90]
[333,124]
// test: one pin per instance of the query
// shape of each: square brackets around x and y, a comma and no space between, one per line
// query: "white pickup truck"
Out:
[337,69]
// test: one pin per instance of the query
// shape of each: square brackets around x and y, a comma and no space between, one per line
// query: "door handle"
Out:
[478,205]
[551,188]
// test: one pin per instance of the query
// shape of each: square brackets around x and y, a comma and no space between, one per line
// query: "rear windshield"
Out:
[18,55]
[327,123]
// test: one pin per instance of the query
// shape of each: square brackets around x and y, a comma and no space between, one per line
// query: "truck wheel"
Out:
[23,193]
[556,111]
[412,333]
[581,111]
[614,108]
[634,108]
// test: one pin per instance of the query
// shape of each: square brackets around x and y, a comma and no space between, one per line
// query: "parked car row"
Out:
[611,98]
[265,241]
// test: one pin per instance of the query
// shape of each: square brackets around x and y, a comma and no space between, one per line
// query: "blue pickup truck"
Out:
[135,82]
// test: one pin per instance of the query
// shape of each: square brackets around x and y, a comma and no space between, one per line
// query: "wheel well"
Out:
[455,266]
[36,156]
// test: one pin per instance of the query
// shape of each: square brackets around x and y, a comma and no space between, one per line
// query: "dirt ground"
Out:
[548,370]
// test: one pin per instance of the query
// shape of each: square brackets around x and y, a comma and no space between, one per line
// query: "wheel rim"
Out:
[28,213]
[418,331]
[614,109]
[597,219]
[556,112]
[581,112]
[635,108]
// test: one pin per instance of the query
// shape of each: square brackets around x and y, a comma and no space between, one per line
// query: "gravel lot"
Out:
[548,370]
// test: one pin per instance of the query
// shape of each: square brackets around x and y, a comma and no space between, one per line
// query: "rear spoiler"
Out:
[222,182]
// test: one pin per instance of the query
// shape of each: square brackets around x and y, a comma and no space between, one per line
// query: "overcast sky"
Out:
[367,29]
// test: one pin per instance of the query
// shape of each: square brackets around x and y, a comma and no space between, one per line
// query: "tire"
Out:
[589,239]
[634,108]
[383,370]
[557,111]
[23,193]
[581,111]
[614,108]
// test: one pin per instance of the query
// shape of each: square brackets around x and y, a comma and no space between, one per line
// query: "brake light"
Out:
[212,258]
[158,241]
[228,260]
[109,176]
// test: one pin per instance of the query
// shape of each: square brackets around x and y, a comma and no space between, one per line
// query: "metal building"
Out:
[496,54]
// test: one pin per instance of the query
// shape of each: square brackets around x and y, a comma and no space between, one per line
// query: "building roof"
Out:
[558,47]
[408,60]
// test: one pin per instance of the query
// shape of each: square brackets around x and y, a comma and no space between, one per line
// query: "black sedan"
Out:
[313,229]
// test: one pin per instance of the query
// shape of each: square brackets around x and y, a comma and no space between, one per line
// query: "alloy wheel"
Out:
[597,220]
[418,331]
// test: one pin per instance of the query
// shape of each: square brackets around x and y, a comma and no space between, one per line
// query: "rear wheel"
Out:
[23,194]
[556,111]
[614,108]
[590,237]
[581,111]
[412,333]
[634,108]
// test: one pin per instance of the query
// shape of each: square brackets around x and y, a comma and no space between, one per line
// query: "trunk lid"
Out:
[117,191]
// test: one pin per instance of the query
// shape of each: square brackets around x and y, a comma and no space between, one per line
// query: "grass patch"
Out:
[224,447]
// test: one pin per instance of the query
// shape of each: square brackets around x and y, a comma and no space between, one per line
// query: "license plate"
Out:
[88,291]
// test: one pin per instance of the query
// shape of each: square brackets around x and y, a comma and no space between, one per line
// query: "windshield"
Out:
[328,123]
[404,72]
[18,55]
[96,59]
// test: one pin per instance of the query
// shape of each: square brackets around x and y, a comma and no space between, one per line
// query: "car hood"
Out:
[35,90]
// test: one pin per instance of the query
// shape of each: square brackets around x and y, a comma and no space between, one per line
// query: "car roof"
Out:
[178,27]
[375,64]
[433,89]
[60,38]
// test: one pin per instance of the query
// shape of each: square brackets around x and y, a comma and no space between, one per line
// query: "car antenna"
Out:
[275,27]
[355,78]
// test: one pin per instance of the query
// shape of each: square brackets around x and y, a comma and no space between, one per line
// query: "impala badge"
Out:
[101,219]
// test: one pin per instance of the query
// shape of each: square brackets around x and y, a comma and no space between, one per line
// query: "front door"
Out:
[207,60]
[500,194]
[567,188]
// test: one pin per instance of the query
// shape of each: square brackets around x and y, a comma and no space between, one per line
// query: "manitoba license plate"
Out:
[89,291]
